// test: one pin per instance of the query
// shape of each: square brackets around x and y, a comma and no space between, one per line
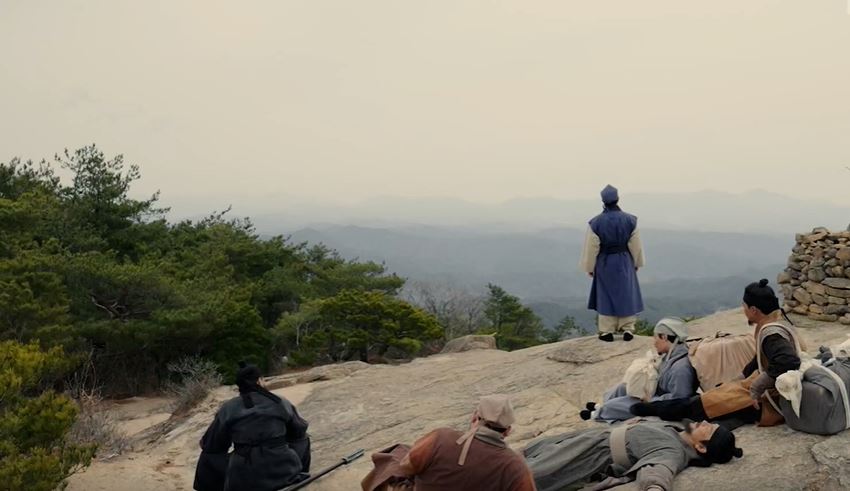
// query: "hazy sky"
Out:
[339,100]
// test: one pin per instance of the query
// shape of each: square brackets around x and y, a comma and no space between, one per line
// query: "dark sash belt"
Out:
[614,249]
[243,449]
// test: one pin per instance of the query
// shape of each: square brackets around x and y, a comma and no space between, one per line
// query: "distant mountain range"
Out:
[702,248]
[688,273]
[754,212]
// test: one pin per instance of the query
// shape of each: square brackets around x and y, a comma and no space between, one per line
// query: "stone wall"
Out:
[816,282]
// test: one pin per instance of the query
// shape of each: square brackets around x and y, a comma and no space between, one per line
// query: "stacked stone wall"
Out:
[816,282]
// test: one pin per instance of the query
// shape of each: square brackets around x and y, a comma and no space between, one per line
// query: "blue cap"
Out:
[610,195]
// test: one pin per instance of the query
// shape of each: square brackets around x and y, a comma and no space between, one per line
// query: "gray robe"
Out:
[568,461]
[822,409]
[676,379]
[271,447]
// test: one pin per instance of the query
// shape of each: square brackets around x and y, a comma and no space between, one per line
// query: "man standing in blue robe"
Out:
[612,255]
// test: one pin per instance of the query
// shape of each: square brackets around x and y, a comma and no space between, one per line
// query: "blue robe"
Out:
[676,379]
[615,291]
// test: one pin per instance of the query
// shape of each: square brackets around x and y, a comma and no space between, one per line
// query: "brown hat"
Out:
[496,409]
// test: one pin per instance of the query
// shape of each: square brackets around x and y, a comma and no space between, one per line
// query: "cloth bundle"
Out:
[790,384]
[641,378]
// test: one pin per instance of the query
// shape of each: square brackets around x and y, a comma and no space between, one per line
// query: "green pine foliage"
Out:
[516,325]
[34,420]
[644,328]
[357,324]
[87,266]
[566,328]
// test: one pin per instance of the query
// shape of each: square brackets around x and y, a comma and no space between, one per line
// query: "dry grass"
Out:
[95,425]
[197,378]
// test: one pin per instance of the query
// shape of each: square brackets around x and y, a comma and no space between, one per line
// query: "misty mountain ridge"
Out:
[702,248]
[712,211]
[688,273]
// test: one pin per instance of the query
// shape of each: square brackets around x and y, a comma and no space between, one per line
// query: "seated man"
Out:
[271,449]
[478,460]
[651,452]
[676,376]
[752,398]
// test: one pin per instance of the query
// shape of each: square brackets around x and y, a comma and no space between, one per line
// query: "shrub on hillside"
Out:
[96,426]
[644,328]
[197,377]
[86,265]
[35,453]
[357,325]
[516,325]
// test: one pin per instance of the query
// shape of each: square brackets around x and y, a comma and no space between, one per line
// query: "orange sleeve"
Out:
[526,481]
[420,456]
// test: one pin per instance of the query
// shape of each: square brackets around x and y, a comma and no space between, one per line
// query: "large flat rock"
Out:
[375,406]
[379,406]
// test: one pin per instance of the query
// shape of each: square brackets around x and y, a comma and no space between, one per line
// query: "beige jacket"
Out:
[592,246]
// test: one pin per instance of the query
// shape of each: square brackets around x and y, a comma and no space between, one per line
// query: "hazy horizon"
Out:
[222,103]
[708,211]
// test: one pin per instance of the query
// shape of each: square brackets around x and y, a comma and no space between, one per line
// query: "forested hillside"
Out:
[85,266]
[101,295]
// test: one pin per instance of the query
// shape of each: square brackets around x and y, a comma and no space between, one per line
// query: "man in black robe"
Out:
[271,449]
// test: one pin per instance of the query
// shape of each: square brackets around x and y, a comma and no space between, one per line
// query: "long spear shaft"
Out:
[344,461]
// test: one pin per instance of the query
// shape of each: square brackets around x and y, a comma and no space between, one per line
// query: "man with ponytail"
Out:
[753,397]
[271,449]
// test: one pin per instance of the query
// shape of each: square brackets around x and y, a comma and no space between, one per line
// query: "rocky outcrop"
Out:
[378,405]
[469,343]
[325,372]
[549,385]
[816,282]
[834,454]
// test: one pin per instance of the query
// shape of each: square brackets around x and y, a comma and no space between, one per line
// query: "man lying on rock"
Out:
[446,459]
[753,397]
[271,449]
[676,376]
[650,452]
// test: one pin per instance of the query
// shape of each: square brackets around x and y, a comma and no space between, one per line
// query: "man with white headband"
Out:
[676,376]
